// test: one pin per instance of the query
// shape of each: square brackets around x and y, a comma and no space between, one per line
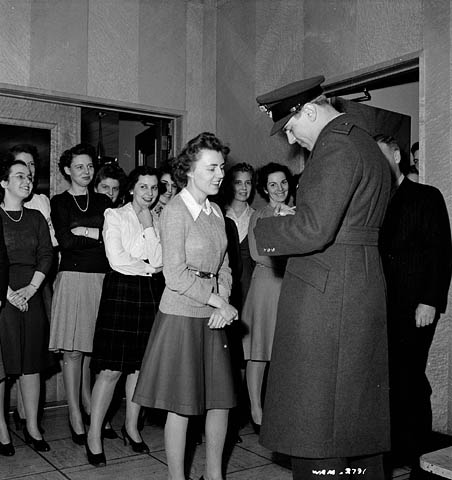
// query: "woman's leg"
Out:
[86,383]
[101,397]
[254,379]
[216,428]
[4,434]
[132,408]
[72,368]
[175,437]
[20,402]
[31,388]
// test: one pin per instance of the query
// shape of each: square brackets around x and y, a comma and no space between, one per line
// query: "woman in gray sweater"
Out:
[186,369]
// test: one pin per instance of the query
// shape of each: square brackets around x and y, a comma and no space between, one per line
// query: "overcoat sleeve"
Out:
[330,178]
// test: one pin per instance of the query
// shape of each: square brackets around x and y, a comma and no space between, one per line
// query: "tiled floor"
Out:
[245,461]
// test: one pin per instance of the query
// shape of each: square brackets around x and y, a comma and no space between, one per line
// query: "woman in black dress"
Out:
[129,303]
[78,217]
[23,322]
[6,446]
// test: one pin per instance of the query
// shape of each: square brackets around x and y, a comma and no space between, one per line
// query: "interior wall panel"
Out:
[15,34]
[59,45]
[113,49]
[162,53]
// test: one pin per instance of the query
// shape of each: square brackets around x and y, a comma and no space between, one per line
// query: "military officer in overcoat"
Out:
[327,402]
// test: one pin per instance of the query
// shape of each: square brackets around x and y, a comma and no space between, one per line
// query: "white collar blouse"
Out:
[130,248]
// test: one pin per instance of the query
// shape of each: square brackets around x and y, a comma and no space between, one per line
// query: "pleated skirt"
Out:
[127,310]
[75,305]
[186,368]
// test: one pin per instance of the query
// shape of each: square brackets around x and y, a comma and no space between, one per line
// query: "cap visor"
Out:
[277,126]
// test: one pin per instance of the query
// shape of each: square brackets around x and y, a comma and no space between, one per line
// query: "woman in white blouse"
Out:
[129,302]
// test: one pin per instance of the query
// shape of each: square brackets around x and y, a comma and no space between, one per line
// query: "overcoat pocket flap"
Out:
[310,271]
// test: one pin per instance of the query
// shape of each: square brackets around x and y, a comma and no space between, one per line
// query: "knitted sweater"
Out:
[189,245]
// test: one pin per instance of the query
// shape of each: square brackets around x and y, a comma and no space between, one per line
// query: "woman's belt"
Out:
[200,274]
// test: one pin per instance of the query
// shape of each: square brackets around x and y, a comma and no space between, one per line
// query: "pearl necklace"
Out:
[11,218]
[87,202]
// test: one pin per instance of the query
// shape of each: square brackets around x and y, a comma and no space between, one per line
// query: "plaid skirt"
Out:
[127,309]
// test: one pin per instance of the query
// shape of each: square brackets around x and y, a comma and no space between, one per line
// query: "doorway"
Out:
[390,87]
[128,139]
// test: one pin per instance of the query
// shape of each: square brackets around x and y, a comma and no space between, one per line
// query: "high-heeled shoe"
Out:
[7,449]
[78,438]
[38,445]
[256,427]
[137,447]
[95,459]
[109,433]
[19,422]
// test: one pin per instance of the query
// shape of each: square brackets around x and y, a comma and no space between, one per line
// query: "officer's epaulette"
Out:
[343,128]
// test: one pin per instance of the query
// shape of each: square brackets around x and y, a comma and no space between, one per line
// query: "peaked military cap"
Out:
[284,102]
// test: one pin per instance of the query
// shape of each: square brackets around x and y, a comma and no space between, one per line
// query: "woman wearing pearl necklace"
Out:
[23,322]
[78,216]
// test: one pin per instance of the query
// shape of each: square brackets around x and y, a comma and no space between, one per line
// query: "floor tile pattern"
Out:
[67,461]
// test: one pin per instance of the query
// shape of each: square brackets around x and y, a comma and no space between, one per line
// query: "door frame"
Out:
[178,117]
[389,73]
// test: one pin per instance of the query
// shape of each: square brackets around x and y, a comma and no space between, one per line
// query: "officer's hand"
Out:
[281,210]
[425,314]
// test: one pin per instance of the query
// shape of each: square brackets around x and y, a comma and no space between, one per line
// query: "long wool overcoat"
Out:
[327,392]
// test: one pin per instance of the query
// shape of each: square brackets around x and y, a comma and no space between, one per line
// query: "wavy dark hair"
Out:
[113,171]
[133,177]
[166,168]
[5,169]
[189,155]
[229,178]
[31,150]
[68,155]
[263,174]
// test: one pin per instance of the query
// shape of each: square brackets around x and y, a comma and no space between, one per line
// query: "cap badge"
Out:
[263,108]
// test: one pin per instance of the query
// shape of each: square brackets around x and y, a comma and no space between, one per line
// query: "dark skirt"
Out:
[24,337]
[127,309]
[186,368]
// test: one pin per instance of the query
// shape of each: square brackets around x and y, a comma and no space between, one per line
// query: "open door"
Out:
[376,120]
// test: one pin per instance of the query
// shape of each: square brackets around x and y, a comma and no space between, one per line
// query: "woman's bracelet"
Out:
[34,286]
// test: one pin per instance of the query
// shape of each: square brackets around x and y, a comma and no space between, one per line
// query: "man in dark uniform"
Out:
[327,401]
[415,246]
